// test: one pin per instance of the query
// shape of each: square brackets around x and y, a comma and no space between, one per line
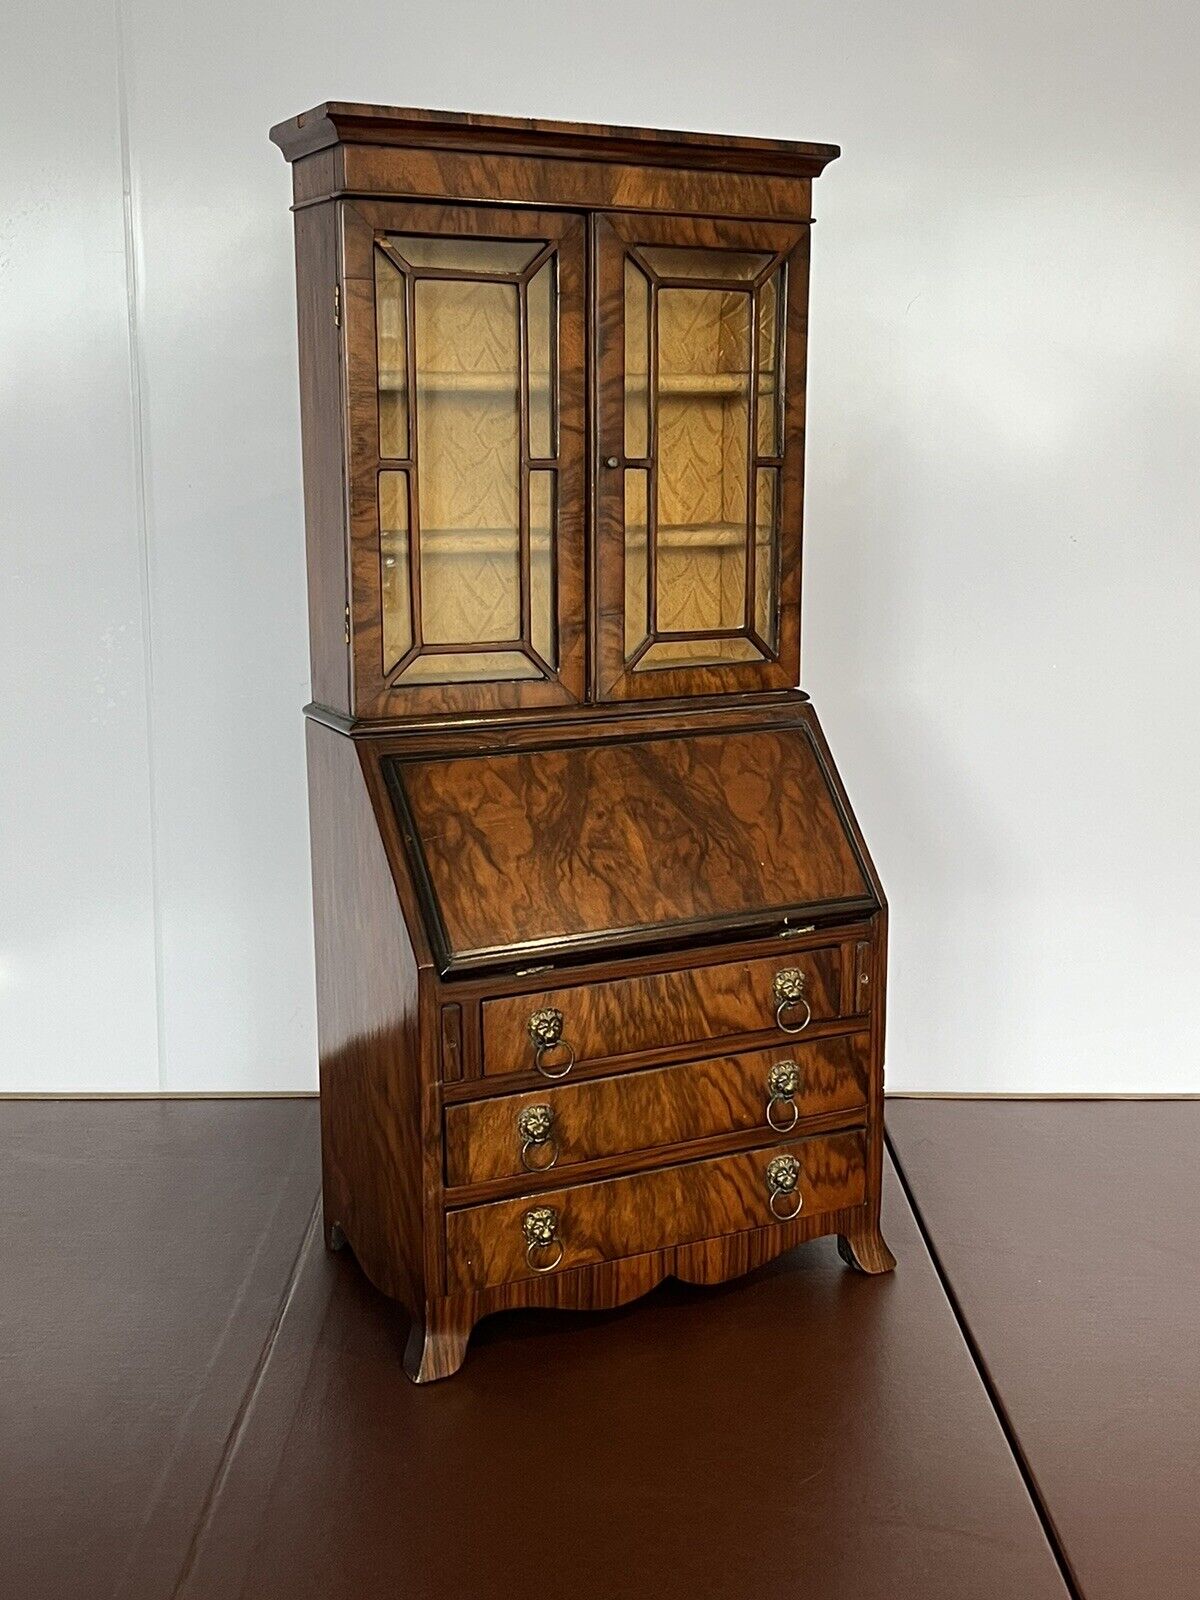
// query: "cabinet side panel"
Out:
[322,429]
[874,970]
[367,1023]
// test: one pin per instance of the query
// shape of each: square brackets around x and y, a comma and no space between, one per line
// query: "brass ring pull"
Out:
[548,1266]
[539,1055]
[783,1083]
[540,1227]
[538,1144]
[783,1179]
[782,1100]
[789,990]
[545,1031]
[535,1129]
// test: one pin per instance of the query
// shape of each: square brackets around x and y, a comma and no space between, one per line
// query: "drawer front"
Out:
[644,1110]
[565,1228]
[627,1015]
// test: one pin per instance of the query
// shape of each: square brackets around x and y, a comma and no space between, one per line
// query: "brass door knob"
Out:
[540,1227]
[535,1129]
[783,1084]
[545,1032]
[782,1179]
[790,989]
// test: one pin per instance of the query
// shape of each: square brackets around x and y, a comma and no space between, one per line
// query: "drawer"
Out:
[600,1021]
[565,1228]
[662,1106]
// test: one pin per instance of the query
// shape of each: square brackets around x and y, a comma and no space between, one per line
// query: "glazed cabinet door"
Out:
[700,341]
[464,363]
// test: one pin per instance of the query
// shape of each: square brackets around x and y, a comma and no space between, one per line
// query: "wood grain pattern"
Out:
[675,1205]
[572,847]
[483,831]
[609,1284]
[656,1108]
[368,1033]
[321,412]
[412,173]
[341,121]
[376,692]
[606,1020]
[524,729]
[614,236]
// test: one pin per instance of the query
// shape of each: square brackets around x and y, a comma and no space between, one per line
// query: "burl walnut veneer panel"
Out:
[503,780]
[662,1106]
[570,845]
[660,1011]
[675,1205]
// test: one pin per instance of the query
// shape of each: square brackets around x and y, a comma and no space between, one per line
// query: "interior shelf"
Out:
[720,385]
[469,541]
[392,379]
[503,541]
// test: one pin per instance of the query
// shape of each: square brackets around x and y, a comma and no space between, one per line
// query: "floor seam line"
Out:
[1016,1450]
[241,1419]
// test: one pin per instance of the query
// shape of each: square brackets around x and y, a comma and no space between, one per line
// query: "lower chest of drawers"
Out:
[610,1119]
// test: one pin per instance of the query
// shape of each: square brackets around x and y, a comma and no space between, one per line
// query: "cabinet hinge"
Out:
[347,633]
[337,305]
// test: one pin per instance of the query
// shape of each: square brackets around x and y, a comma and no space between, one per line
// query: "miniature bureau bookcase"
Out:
[600,949]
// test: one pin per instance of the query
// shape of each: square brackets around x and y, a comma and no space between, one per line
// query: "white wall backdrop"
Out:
[1003,561]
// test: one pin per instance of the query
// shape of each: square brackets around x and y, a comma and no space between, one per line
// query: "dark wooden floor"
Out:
[196,1400]
[1069,1234]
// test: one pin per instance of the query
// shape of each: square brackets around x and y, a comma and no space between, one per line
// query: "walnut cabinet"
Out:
[600,949]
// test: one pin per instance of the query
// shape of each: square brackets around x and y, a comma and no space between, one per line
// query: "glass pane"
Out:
[769,366]
[637,362]
[766,556]
[703,459]
[697,653]
[393,567]
[391,359]
[470,666]
[637,503]
[466,254]
[677,261]
[467,338]
[542,331]
[541,565]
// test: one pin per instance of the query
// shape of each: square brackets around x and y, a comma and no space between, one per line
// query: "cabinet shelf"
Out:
[688,385]
[468,541]
[503,541]
[502,384]
[698,536]
[674,385]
